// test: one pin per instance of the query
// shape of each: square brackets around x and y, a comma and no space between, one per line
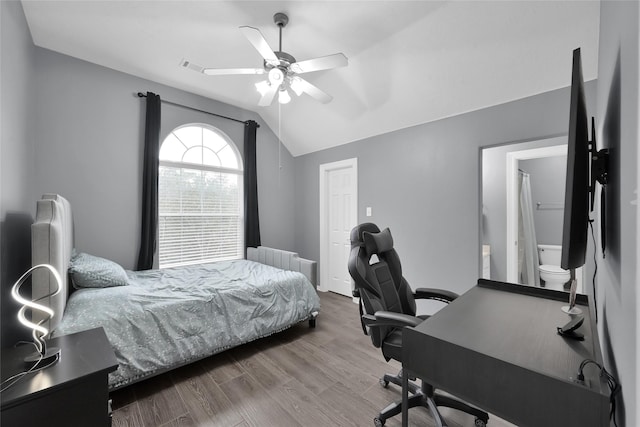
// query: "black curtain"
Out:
[251,219]
[150,183]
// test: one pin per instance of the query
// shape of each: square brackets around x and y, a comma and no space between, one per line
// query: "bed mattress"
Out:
[167,318]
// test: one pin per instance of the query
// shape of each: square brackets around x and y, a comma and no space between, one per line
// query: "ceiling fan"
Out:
[281,68]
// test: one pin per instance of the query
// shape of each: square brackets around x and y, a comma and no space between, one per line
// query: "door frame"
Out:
[325,169]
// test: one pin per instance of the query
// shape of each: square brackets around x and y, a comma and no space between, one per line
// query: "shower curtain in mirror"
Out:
[527,244]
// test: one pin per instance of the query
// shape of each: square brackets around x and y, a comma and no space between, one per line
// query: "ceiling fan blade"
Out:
[323,63]
[268,96]
[256,38]
[312,90]
[228,71]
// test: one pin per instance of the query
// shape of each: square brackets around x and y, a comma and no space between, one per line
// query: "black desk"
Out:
[496,347]
[72,392]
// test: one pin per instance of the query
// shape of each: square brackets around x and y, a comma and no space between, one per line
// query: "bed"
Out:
[158,320]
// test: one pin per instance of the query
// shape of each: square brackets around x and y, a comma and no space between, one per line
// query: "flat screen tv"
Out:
[576,201]
[585,166]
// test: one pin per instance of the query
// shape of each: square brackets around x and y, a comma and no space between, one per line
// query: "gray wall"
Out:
[16,161]
[547,177]
[17,110]
[424,183]
[618,274]
[89,137]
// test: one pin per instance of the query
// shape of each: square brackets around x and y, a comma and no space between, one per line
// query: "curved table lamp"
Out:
[43,354]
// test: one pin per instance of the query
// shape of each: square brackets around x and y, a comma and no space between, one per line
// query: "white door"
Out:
[338,217]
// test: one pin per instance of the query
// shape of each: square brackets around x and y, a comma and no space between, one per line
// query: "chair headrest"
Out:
[357,238]
[377,243]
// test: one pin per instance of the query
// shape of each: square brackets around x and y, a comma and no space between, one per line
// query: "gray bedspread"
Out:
[166,318]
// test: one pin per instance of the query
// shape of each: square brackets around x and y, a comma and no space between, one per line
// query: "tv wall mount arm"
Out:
[600,174]
[599,162]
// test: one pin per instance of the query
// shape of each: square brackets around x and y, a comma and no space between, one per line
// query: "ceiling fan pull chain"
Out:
[279,143]
[279,140]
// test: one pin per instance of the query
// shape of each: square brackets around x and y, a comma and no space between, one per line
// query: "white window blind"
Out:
[200,198]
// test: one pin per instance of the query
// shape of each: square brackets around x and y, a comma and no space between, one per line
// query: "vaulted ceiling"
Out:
[410,62]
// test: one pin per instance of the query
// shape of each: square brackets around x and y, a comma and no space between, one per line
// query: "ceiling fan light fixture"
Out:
[276,76]
[263,87]
[283,96]
[296,86]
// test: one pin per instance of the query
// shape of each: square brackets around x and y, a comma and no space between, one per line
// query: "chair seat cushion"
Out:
[392,345]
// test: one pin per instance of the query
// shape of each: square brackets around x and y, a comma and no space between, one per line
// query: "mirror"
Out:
[522,213]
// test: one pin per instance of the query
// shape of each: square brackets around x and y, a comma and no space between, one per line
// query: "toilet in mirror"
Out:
[553,276]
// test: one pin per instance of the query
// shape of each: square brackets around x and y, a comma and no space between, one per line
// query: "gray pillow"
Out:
[88,271]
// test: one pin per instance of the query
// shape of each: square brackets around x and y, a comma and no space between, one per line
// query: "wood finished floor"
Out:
[327,376]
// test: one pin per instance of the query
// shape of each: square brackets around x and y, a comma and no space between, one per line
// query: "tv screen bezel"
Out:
[577,185]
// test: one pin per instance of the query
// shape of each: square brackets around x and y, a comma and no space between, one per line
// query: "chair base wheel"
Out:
[377,422]
[480,423]
[384,383]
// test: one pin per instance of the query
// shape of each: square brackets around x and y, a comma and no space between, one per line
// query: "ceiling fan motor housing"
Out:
[285,61]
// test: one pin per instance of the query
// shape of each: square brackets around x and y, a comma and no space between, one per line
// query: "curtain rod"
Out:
[142,95]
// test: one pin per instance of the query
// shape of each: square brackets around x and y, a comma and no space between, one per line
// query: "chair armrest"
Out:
[436,294]
[390,318]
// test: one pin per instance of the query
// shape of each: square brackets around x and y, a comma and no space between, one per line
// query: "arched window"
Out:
[199,197]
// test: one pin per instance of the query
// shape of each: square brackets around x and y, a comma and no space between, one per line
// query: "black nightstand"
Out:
[73,392]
